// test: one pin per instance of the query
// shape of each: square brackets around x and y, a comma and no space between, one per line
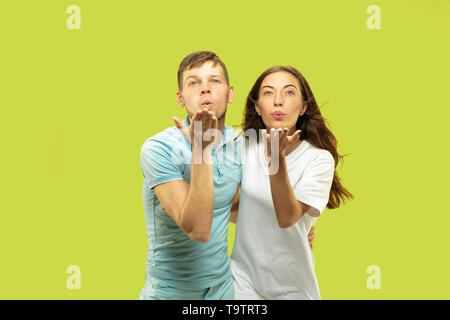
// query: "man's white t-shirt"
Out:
[277,262]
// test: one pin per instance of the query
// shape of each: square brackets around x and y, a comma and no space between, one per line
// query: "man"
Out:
[188,195]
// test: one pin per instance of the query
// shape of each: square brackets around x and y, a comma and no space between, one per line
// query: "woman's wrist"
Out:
[281,159]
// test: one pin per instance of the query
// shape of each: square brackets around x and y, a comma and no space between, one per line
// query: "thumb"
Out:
[180,126]
[295,136]
[178,123]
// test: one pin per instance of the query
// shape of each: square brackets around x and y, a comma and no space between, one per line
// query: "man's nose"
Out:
[206,89]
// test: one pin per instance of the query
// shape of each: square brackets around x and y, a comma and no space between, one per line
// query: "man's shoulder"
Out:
[169,138]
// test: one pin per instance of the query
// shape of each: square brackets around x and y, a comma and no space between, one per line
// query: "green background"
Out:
[77,105]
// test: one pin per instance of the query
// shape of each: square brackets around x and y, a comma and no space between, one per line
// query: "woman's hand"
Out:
[311,237]
[284,141]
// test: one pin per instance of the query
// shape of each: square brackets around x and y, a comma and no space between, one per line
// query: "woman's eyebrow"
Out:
[288,85]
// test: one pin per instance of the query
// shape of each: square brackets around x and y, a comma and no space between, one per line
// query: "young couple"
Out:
[195,183]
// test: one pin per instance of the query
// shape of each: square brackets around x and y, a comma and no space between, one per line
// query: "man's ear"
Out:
[180,99]
[230,94]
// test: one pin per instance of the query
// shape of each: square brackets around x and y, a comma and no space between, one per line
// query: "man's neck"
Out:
[221,124]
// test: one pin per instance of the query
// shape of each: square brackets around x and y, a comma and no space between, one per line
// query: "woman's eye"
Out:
[290,92]
[266,93]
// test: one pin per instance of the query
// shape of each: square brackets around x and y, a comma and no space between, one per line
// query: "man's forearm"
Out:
[198,208]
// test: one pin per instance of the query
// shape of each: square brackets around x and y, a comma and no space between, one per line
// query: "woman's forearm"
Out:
[287,208]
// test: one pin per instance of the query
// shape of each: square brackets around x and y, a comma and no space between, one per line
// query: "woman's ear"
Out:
[303,109]
[180,99]
[258,109]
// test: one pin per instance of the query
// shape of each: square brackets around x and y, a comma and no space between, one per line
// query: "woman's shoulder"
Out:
[316,153]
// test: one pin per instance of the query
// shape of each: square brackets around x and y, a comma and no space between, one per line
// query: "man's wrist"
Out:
[202,156]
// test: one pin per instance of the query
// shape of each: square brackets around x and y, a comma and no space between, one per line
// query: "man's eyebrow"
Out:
[192,76]
[197,77]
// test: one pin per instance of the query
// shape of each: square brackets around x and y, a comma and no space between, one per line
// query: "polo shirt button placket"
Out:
[219,166]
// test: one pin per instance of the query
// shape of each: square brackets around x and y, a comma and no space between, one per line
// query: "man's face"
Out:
[205,87]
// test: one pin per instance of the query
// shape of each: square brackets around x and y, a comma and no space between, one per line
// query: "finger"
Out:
[204,117]
[311,232]
[178,123]
[285,132]
[214,125]
[208,120]
[270,135]
[283,135]
[180,126]
[215,122]
[265,137]
[197,115]
[273,131]
[274,134]
[295,136]
[196,126]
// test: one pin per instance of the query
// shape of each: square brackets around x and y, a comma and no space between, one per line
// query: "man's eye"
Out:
[216,81]
[192,83]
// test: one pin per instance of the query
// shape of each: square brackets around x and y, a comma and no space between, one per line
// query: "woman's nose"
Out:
[278,100]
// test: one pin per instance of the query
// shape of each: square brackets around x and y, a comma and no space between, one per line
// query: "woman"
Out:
[283,191]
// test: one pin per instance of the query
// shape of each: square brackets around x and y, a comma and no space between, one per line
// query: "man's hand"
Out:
[197,133]
[311,237]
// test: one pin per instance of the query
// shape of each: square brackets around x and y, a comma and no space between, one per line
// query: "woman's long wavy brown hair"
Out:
[312,124]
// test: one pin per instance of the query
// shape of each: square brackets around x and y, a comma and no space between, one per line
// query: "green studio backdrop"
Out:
[78,103]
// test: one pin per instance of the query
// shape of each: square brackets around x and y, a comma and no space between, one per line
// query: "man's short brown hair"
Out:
[197,59]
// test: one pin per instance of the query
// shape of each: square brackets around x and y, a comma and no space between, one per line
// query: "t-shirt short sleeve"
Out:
[315,184]
[159,164]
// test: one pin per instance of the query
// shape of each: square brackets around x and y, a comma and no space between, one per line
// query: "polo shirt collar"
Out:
[227,136]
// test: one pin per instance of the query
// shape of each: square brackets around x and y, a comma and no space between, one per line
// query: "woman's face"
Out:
[280,101]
